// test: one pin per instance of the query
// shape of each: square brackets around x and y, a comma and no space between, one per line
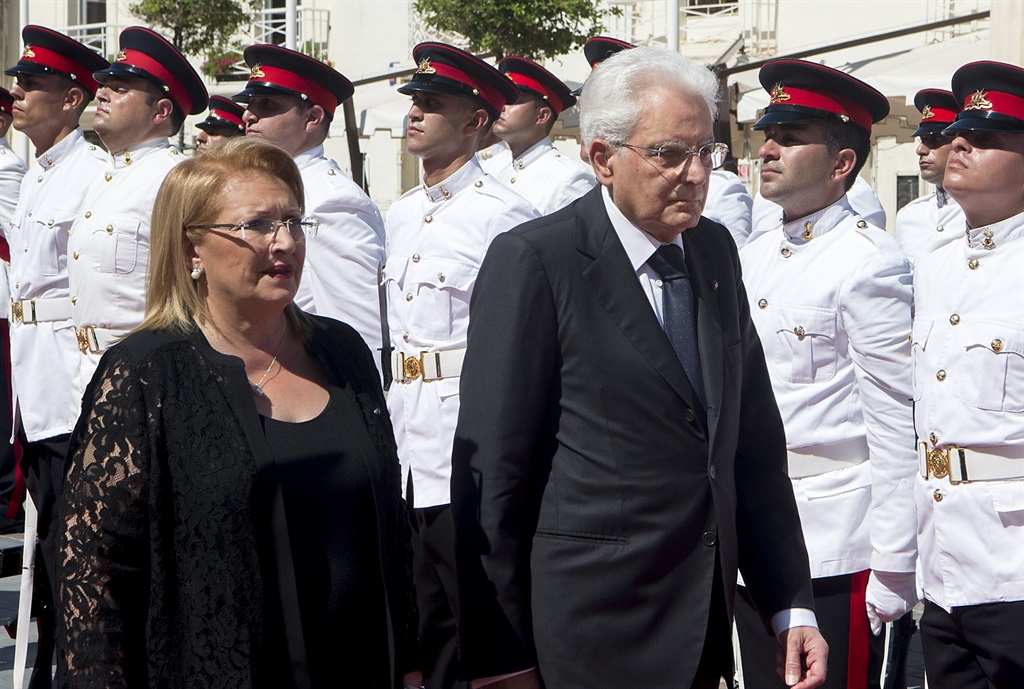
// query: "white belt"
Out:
[963,465]
[29,311]
[821,459]
[429,366]
[96,340]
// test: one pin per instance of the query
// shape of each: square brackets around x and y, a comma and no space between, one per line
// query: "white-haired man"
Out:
[619,453]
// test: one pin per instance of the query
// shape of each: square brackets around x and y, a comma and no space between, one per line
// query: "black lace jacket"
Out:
[169,488]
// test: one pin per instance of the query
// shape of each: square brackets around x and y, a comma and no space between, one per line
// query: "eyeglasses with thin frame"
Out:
[266,228]
[672,157]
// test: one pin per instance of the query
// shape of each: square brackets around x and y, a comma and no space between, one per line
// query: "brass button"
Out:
[110,229]
[405,336]
[862,224]
[428,218]
[49,223]
[997,345]
[39,178]
[973,264]
[440,278]
[88,214]
[415,258]
[762,303]
[512,181]
[108,177]
[408,296]
[74,300]
[934,438]
[799,331]
[331,172]
[75,255]
[937,495]
[940,228]
[940,375]
[954,319]
[479,183]
[786,253]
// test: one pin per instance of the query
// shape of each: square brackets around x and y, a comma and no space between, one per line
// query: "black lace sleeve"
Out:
[102,550]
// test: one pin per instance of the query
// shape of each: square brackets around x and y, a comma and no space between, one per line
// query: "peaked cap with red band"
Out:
[600,48]
[938,110]
[448,70]
[224,114]
[50,52]
[147,55]
[804,91]
[6,100]
[992,95]
[531,77]
[278,71]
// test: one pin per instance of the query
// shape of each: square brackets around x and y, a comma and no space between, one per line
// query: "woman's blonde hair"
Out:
[191,195]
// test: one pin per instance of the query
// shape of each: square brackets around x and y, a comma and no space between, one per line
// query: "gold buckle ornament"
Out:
[87,341]
[938,462]
[23,312]
[412,367]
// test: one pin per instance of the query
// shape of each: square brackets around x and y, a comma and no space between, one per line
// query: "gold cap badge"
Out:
[425,67]
[121,57]
[978,102]
[778,94]
[28,52]
[927,113]
[256,72]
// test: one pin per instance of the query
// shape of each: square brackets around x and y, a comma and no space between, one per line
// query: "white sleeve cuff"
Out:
[793,617]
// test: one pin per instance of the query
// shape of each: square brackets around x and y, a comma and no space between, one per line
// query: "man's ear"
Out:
[545,114]
[477,123]
[164,110]
[314,117]
[846,159]
[74,97]
[602,158]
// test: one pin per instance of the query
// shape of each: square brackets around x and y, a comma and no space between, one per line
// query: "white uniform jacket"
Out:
[546,177]
[969,391]
[494,158]
[729,204]
[437,238]
[833,314]
[108,251]
[343,261]
[44,353]
[767,215]
[12,169]
[928,222]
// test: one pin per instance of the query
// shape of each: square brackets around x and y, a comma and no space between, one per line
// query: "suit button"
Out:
[708,539]
[762,303]
[940,375]
[937,495]
[689,415]
[973,264]
[713,472]
[954,319]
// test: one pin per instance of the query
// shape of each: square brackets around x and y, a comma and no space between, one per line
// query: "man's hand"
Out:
[803,657]
[889,596]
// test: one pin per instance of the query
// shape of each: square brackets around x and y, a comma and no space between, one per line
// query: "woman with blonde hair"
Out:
[232,509]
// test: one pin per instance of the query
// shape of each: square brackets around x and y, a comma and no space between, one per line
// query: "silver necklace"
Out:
[257,388]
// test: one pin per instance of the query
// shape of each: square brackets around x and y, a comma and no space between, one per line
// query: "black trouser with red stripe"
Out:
[854,653]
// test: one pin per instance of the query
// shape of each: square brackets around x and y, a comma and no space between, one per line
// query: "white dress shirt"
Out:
[729,204]
[343,261]
[437,239]
[546,178]
[44,354]
[969,392]
[927,223]
[108,250]
[494,158]
[767,215]
[830,296]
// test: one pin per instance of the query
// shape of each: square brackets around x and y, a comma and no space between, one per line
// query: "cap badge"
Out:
[927,113]
[256,72]
[778,94]
[978,102]
[121,57]
[425,67]
[28,52]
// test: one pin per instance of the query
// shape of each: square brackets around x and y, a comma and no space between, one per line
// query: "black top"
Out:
[328,501]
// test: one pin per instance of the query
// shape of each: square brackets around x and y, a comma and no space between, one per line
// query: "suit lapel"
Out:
[614,283]
[703,279]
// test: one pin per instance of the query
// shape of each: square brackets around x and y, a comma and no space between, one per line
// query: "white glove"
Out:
[889,596]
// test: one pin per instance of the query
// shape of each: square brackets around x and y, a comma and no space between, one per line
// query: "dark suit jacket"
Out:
[589,503]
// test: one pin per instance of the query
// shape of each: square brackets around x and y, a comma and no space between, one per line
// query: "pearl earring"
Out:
[196,272]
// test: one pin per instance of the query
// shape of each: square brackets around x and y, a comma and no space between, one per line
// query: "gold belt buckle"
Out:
[87,341]
[938,462]
[17,311]
[412,367]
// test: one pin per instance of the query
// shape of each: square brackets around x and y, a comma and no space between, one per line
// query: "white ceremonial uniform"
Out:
[927,223]
[12,169]
[546,177]
[437,238]
[494,158]
[729,204]
[833,314]
[44,353]
[969,393]
[343,261]
[767,215]
[108,253]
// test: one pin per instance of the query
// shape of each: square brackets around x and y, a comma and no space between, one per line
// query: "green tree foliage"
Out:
[529,28]
[196,27]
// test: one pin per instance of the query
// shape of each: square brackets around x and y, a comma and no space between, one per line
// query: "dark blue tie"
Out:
[679,314]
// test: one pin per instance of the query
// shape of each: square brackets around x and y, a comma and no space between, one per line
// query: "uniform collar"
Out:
[60,150]
[990,237]
[805,229]
[941,197]
[133,154]
[533,154]
[306,158]
[462,179]
[493,150]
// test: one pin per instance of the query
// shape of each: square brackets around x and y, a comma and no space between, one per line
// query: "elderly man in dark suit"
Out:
[619,453]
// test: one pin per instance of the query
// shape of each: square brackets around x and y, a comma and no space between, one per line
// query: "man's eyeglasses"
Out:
[672,157]
[266,228]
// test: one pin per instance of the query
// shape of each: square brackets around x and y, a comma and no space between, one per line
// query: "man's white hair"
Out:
[616,93]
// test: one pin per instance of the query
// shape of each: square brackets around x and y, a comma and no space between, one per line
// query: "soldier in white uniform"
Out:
[438,234]
[767,215]
[290,101]
[12,168]
[493,154]
[224,121]
[830,295]
[538,171]
[54,85]
[729,204]
[935,219]
[969,393]
[143,99]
